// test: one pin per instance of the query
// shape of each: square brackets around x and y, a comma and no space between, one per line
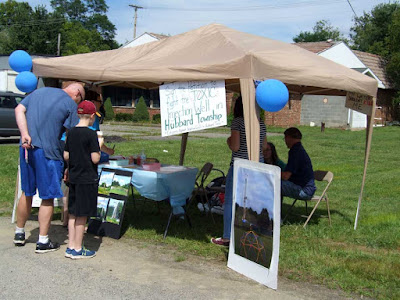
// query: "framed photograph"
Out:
[115,211]
[120,184]
[102,204]
[255,234]
[105,181]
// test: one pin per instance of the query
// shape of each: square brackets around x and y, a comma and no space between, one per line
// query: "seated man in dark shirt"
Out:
[298,175]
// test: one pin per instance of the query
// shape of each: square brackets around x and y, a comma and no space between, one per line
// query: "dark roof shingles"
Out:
[374,62]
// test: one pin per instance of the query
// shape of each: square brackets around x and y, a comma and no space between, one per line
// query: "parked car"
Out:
[8,102]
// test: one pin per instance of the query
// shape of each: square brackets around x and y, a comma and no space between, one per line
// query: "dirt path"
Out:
[125,269]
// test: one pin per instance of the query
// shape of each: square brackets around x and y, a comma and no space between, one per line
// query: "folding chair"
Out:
[319,176]
[201,189]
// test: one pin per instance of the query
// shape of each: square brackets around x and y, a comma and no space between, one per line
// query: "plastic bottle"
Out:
[142,157]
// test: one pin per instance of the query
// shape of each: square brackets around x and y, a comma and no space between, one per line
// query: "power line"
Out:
[348,1]
[303,4]
[34,23]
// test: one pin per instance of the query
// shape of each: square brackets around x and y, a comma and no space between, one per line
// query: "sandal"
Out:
[220,242]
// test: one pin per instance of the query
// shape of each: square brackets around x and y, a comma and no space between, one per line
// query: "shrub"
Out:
[229,120]
[156,119]
[109,110]
[123,117]
[262,115]
[396,106]
[141,113]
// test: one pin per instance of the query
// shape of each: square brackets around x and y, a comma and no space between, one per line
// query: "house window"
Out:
[121,96]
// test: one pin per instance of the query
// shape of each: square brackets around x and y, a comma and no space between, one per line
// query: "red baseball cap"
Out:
[86,108]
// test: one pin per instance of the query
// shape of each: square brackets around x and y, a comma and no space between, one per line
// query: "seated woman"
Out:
[271,156]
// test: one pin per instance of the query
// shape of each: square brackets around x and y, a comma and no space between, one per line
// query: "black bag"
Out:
[216,191]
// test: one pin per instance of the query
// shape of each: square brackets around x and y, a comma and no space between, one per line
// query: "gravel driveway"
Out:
[127,269]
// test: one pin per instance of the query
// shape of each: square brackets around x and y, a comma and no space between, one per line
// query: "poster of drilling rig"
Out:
[254,247]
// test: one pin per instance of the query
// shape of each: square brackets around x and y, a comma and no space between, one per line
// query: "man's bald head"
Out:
[75,91]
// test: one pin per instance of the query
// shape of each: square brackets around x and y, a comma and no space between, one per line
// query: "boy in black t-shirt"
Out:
[82,151]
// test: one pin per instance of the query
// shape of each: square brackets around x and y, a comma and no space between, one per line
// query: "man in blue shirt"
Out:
[42,117]
[298,175]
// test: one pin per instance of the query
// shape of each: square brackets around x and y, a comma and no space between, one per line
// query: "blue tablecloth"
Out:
[175,183]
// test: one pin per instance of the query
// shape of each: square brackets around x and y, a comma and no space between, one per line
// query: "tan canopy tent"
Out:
[215,52]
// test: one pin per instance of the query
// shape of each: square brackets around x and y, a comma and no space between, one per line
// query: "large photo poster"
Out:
[192,105]
[255,235]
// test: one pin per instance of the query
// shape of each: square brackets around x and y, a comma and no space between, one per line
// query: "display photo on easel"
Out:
[120,185]
[114,211]
[102,203]
[255,234]
[105,182]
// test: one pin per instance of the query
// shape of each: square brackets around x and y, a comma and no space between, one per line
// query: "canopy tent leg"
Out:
[370,126]
[183,147]
[251,115]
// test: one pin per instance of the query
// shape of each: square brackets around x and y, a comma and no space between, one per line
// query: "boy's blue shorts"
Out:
[40,173]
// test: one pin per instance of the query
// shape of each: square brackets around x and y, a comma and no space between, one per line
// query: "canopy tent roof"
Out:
[216,52]
[212,52]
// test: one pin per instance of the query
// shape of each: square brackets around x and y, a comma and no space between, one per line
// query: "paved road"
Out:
[12,140]
[113,132]
[125,269]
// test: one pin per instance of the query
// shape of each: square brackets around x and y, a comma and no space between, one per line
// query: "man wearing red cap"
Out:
[82,151]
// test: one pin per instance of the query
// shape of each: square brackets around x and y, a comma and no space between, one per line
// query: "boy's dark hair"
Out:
[238,110]
[92,96]
[293,132]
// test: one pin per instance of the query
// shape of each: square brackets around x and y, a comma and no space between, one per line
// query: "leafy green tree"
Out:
[33,30]
[91,14]
[141,113]
[371,32]
[109,110]
[322,31]
[81,40]
[83,25]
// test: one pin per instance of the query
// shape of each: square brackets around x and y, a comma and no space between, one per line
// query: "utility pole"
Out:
[58,44]
[136,7]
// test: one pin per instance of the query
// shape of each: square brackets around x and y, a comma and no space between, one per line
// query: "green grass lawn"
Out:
[365,261]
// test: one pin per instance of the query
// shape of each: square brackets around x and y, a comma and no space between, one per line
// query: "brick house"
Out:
[331,110]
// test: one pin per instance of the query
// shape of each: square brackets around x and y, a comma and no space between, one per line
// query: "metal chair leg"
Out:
[329,212]
[209,208]
[187,216]
[169,221]
[288,212]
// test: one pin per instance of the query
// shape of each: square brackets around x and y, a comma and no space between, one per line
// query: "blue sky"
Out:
[279,20]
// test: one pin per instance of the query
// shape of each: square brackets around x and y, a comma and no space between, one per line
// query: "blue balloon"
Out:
[26,82]
[20,61]
[272,95]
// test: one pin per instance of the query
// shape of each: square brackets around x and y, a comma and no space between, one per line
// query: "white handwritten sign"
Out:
[192,105]
[359,102]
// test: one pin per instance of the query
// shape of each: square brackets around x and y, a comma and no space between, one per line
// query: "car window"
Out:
[10,101]
[18,99]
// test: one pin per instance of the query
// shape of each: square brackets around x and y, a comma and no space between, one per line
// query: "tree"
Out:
[141,113]
[83,25]
[109,109]
[78,39]
[89,13]
[322,31]
[371,32]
